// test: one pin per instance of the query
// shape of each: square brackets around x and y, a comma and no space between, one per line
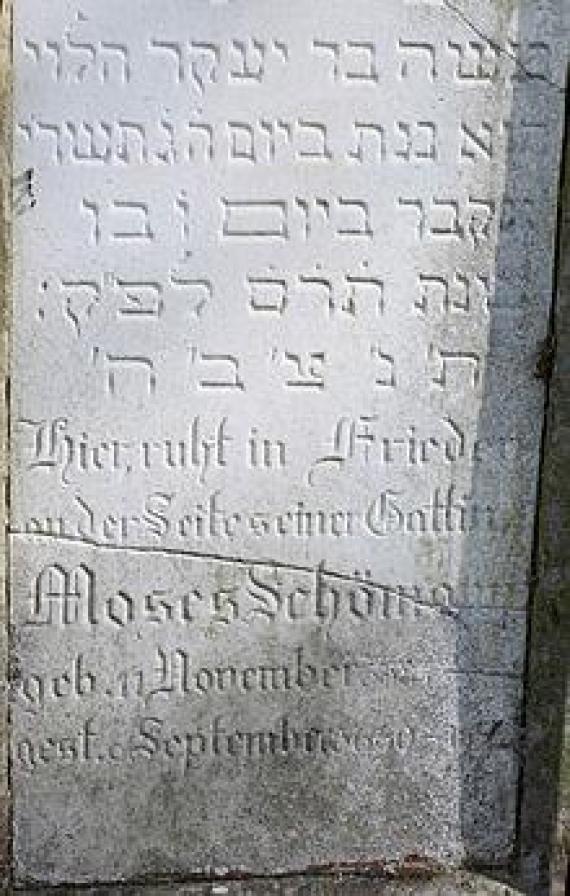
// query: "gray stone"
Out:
[286,273]
[545,811]
[309,885]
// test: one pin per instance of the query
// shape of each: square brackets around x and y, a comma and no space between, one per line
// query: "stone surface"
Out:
[282,285]
[545,829]
[309,885]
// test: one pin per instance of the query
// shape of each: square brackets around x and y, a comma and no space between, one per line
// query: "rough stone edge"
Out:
[5,317]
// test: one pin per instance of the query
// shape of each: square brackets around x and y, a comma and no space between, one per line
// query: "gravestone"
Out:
[282,289]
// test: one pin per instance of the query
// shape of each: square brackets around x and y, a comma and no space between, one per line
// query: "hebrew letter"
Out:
[388,367]
[242,141]
[405,130]
[473,142]
[223,371]
[139,298]
[120,55]
[84,146]
[133,142]
[87,59]
[32,49]
[26,130]
[306,210]
[413,50]
[308,370]
[54,49]
[537,60]
[124,364]
[483,286]
[257,220]
[93,210]
[445,359]
[430,151]
[169,155]
[370,143]
[270,129]
[38,52]
[445,226]
[320,283]
[251,61]
[54,132]
[204,62]
[316,143]
[460,292]
[417,206]
[80,298]
[204,131]
[199,292]
[476,61]
[182,208]
[364,69]
[360,224]
[481,218]
[174,50]
[323,47]
[365,287]
[267,294]
[432,288]
[143,231]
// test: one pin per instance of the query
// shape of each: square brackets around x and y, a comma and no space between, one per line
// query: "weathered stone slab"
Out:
[275,448]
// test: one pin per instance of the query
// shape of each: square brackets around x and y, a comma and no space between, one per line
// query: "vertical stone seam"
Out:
[6,55]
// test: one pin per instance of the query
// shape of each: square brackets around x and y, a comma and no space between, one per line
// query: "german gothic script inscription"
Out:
[282,276]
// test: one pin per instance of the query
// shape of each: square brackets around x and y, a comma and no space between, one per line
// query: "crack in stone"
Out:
[501,50]
[448,612]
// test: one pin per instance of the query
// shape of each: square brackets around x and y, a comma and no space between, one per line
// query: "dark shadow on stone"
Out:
[511,723]
[545,784]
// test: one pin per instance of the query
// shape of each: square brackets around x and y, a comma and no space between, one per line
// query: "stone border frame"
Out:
[543,859]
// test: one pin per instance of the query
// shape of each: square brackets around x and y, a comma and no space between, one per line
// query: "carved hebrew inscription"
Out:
[275,430]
